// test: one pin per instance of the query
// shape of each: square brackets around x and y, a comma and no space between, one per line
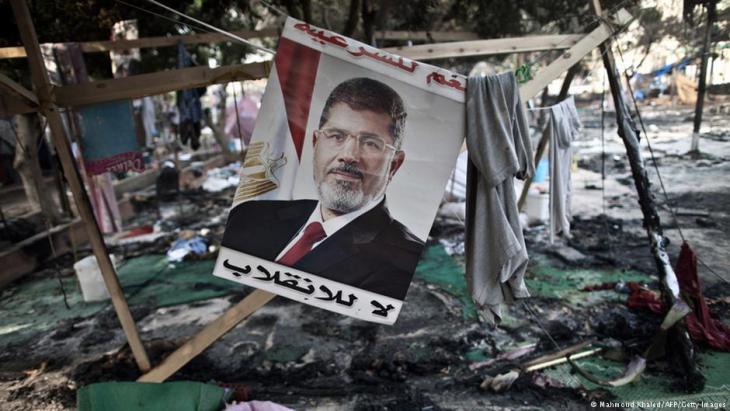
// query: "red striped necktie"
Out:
[314,232]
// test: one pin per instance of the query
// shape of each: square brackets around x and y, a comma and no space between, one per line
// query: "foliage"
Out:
[85,20]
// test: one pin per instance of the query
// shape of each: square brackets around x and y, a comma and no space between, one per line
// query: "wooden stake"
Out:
[571,56]
[209,334]
[60,141]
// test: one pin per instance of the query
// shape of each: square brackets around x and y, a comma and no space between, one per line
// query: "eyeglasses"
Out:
[369,144]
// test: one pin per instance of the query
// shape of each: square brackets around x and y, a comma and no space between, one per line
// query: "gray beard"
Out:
[341,197]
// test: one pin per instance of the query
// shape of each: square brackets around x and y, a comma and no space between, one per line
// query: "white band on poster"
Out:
[306,288]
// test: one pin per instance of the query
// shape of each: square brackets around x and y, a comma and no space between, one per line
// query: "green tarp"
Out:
[138,396]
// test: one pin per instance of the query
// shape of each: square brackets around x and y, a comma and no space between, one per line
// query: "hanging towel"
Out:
[562,128]
[499,149]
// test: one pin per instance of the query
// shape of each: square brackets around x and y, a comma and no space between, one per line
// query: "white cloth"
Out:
[499,148]
[562,128]
[148,120]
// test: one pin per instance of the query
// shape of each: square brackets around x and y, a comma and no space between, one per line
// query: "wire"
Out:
[549,336]
[199,28]
[238,114]
[273,8]
[648,143]
[211,27]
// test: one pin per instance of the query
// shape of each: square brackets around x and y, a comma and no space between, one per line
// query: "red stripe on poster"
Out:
[296,66]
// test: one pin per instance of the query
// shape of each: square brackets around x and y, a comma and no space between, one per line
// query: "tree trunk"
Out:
[368,22]
[218,128]
[27,165]
[701,86]
[353,16]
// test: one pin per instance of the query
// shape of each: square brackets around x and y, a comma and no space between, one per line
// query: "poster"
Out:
[109,139]
[348,161]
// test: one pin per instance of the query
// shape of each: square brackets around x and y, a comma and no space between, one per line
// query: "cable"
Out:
[211,27]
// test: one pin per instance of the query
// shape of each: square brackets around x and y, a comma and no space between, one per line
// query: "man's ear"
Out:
[396,162]
[314,138]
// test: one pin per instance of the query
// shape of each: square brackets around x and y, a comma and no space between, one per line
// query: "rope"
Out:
[609,245]
[57,270]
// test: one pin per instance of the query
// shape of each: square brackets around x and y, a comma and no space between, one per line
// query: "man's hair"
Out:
[363,93]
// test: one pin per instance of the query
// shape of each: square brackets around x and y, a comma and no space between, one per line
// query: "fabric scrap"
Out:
[702,326]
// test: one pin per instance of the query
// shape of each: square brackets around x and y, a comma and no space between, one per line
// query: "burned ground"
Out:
[438,353]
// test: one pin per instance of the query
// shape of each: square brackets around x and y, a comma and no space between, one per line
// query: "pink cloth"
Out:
[257,406]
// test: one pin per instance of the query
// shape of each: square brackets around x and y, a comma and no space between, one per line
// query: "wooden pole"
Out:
[681,347]
[49,110]
[148,42]
[212,332]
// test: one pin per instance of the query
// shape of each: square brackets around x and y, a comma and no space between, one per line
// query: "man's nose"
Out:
[350,151]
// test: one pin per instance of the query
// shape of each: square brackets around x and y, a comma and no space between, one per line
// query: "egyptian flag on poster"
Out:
[273,157]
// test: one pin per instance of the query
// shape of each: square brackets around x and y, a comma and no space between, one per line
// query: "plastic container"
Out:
[537,207]
[90,279]
[541,171]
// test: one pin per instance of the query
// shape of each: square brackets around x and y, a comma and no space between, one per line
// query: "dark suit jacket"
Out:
[373,252]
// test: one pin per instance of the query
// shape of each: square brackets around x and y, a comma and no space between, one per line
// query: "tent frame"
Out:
[47,99]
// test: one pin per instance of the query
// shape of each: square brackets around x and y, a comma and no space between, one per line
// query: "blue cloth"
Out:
[188,101]
[109,141]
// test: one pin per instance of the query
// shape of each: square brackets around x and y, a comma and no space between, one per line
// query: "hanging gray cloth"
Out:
[563,126]
[499,147]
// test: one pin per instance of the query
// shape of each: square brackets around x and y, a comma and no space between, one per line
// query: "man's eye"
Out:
[337,136]
[372,143]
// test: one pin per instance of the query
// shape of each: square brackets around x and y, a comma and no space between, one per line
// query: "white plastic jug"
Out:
[537,207]
[90,279]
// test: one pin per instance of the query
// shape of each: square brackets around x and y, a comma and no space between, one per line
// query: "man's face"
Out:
[352,172]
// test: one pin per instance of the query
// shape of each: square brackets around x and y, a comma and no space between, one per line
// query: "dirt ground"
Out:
[434,357]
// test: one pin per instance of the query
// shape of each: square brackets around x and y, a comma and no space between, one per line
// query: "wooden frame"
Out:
[115,89]
[487,47]
[426,35]
[156,83]
[148,42]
